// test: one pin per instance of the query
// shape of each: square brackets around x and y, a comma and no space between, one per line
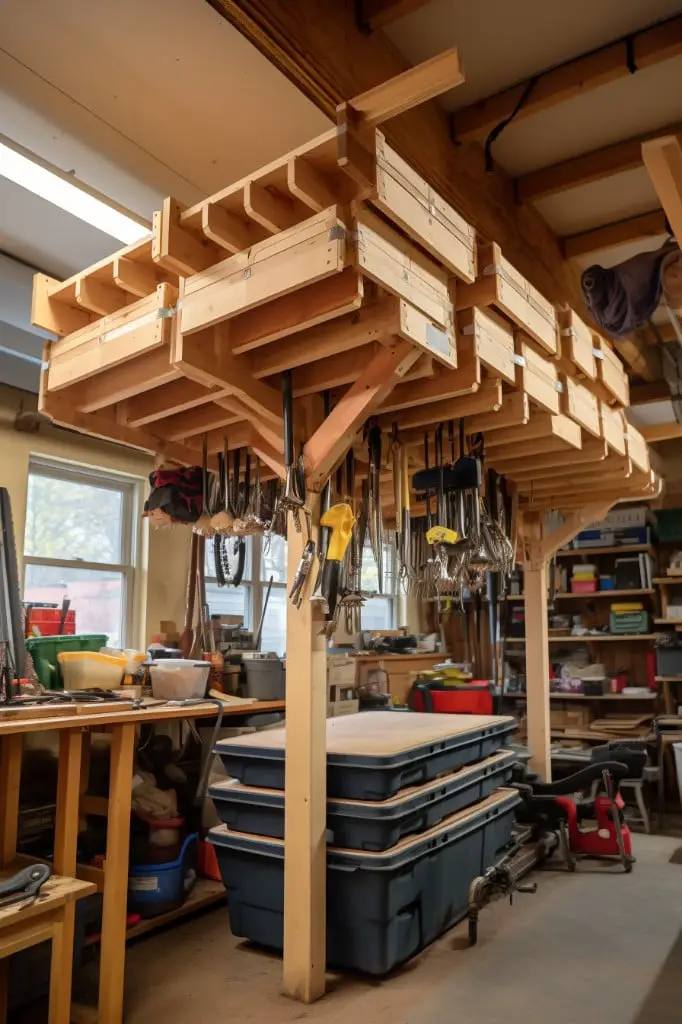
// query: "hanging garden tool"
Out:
[292,498]
[375,515]
[302,571]
[353,597]
[339,519]
[325,504]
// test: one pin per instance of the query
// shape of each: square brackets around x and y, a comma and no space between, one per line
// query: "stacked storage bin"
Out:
[416,810]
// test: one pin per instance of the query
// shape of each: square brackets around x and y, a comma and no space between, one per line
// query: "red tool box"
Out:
[474,698]
[47,621]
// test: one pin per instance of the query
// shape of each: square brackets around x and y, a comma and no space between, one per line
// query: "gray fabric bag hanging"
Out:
[623,298]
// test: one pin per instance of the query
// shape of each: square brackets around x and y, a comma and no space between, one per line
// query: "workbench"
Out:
[73,772]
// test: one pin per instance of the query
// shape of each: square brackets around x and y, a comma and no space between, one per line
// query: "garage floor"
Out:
[587,947]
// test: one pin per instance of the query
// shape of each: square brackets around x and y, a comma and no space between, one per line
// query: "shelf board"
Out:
[616,550]
[604,593]
[672,581]
[596,638]
[587,696]
[668,679]
[668,622]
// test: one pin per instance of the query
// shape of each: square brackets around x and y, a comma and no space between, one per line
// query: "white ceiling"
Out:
[162,99]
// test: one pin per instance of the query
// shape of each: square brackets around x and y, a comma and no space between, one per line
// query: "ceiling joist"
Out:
[376,14]
[610,236]
[588,168]
[640,50]
[663,160]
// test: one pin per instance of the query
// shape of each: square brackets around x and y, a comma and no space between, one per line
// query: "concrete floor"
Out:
[588,947]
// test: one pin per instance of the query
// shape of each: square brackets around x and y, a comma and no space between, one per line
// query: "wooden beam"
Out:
[318,46]
[537,652]
[661,432]
[643,394]
[178,396]
[53,315]
[136,377]
[134,277]
[609,236]
[663,160]
[226,229]
[305,803]
[99,298]
[193,422]
[409,89]
[574,78]
[481,405]
[272,212]
[333,438]
[376,14]
[205,357]
[643,359]
[582,170]
[174,248]
[308,185]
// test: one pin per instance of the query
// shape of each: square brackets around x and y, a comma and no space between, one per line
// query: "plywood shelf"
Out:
[598,637]
[615,550]
[587,696]
[604,593]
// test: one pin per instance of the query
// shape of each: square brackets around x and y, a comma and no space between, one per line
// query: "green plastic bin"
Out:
[44,650]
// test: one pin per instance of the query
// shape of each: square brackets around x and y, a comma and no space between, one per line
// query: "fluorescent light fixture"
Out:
[69,197]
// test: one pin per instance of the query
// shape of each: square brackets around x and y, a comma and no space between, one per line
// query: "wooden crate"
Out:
[614,428]
[492,340]
[500,285]
[581,405]
[611,374]
[536,376]
[407,199]
[637,449]
[576,344]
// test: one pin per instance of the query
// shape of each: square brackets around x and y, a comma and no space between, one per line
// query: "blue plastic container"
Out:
[155,889]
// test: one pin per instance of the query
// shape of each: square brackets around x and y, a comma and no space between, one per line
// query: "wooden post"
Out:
[113,947]
[305,850]
[10,778]
[537,661]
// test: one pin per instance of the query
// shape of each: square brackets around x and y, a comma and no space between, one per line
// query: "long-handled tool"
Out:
[376,524]
[291,500]
[340,521]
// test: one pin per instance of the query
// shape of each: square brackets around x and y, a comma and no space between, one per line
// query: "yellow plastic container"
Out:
[89,670]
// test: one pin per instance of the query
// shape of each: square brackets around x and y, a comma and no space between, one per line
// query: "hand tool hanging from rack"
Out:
[339,519]
[375,514]
[235,498]
[325,503]
[203,524]
[294,493]
[353,598]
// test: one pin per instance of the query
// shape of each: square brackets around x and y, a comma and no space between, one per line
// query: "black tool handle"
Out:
[287,416]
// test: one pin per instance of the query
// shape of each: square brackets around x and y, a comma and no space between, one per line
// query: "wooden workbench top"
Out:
[57,891]
[379,733]
[12,722]
[434,656]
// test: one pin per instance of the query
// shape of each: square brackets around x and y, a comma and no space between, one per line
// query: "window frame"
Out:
[132,536]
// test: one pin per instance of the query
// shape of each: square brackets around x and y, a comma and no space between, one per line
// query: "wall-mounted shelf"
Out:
[604,593]
[668,581]
[587,696]
[591,638]
[624,549]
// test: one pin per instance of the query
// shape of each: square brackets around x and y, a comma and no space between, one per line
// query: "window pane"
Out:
[68,519]
[274,559]
[274,636]
[209,560]
[377,613]
[370,574]
[96,596]
[229,601]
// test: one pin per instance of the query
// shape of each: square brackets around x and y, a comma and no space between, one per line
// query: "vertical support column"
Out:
[535,561]
[305,841]
[11,748]
[113,947]
[65,853]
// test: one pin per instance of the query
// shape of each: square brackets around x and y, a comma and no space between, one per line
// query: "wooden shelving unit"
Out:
[623,549]
[587,696]
[595,638]
[605,593]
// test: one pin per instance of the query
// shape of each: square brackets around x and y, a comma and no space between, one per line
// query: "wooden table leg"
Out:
[65,856]
[11,748]
[113,943]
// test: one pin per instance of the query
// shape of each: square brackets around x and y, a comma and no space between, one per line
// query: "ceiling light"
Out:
[69,197]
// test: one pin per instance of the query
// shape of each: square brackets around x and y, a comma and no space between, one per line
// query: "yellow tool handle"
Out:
[441,535]
[340,520]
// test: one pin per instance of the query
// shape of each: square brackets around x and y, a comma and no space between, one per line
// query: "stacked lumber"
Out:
[340,263]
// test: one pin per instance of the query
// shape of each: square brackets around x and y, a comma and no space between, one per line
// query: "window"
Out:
[264,558]
[378,612]
[80,544]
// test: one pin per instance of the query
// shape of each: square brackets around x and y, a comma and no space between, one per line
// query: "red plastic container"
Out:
[208,862]
[47,621]
[461,699]
[583,586]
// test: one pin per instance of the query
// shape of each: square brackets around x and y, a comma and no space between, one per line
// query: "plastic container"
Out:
[448,698]
[155,889]
[179,678]
[367,824]
[48,620]
[629,622]
[43,651]
[372,756]
[669,661]
[90,670]
[382,908]
[583,586]
[264,678]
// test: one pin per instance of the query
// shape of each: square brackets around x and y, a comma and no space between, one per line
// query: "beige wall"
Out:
[162,572]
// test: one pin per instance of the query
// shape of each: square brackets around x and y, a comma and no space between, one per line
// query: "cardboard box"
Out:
[343,707]
[341,670]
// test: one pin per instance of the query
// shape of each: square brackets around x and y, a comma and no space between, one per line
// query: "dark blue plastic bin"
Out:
[155,889]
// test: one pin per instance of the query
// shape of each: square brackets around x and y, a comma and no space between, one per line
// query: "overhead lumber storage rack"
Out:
[340,263]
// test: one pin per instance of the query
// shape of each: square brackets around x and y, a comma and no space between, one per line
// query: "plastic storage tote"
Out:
[367,824]
[90,670]
[155,889]
[179,678]
[44,649]
[265,678]
[372,756]
[382,908]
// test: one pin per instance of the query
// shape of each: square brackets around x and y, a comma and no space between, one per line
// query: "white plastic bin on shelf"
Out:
[179,678]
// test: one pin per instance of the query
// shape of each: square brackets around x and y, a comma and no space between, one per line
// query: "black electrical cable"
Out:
[497,131]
